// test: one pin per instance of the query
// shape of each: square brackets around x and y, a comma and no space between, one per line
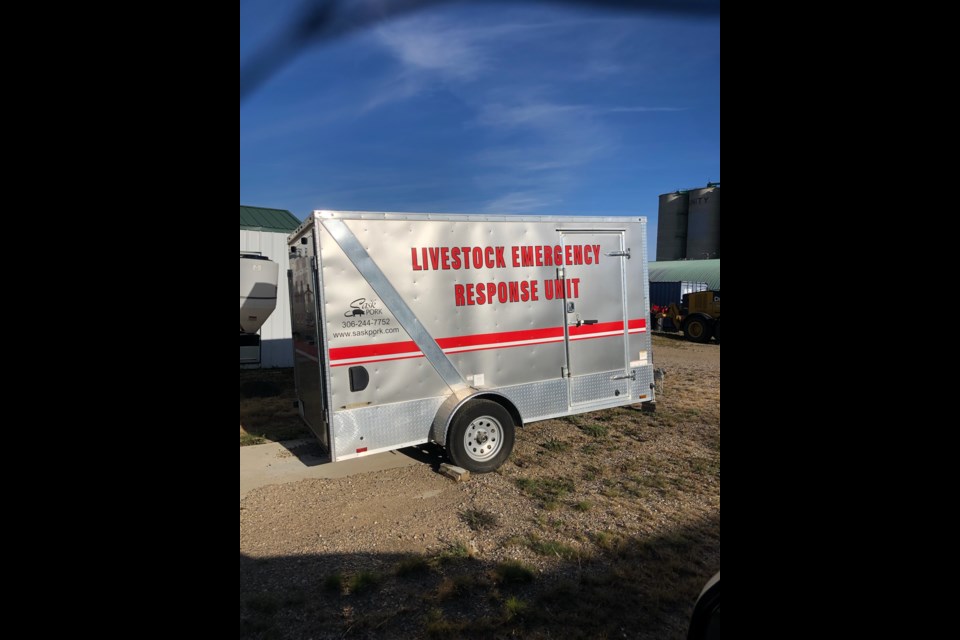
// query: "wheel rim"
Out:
[696,329]
[483,438]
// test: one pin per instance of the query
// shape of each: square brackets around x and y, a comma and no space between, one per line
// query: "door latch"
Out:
[632,376]
[620,254]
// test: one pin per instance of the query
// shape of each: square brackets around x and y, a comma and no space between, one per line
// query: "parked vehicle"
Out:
[698,316]
[457,329]
[258,299]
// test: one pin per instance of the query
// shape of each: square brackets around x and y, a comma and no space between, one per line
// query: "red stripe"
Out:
[603,327]
[372,351]
[503,336]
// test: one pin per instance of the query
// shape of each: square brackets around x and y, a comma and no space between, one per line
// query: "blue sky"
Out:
[535,109]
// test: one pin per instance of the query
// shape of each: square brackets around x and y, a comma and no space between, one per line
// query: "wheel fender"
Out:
[453,403]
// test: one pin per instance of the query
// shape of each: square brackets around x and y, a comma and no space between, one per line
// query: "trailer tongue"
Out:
[457,329]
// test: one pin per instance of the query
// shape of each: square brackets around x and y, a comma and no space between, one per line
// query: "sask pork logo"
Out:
[362,306]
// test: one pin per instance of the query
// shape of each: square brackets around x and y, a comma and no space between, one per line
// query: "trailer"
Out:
[258,299]
[459,329]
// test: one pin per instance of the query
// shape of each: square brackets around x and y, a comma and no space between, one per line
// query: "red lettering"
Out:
[470,301]
[413,259]
[501,263]
[524,291]
[596,254]
[533,291]
[481,293]
[573,288]
[526,255]
[477,258]
[558,256]
[435,257]
[515,256]
[569,252]
[445,258]
[488,258]
[539,255]
[458,295]
[548,256]
[491,291]
[586,255]
[455,258]
[578,254]
[465,254]
[514,287]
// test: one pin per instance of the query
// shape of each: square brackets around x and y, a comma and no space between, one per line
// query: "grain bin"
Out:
[672,226]
[703,224]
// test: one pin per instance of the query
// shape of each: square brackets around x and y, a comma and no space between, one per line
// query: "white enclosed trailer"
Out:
[456,329]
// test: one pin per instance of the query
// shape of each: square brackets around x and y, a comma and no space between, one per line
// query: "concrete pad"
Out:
[282,462]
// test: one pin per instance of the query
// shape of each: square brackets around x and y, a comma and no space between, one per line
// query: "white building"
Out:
[264,232]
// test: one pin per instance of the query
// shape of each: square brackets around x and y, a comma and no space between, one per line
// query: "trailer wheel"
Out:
[481,436]
[697,329]
[716,331]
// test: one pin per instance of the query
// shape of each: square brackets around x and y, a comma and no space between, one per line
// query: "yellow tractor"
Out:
[698,316]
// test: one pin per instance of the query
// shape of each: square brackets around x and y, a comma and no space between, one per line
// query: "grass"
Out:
[595,430]
[551,548]
[515,608]
[610,525]
[479,520]
[512,572]
[591,449]
[548,490]
[267,411]
[364,582]
[412,566]
[556,446]
[333,583]
[456,551]
[456,587]
[609,542]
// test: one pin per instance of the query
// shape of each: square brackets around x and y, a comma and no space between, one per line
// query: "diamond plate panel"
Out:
[538,399]
[383,426]
[644,384]
[598,387]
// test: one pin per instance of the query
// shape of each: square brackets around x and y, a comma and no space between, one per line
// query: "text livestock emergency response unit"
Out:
[488,258]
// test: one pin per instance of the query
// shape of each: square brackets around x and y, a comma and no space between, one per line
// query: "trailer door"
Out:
[308,351]
[594,290]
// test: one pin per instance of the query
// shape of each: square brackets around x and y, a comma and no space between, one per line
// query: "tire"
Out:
[716,332]
[697,329]
[481,436]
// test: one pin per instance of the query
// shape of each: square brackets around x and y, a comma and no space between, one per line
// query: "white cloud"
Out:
[521,202]
[535,144]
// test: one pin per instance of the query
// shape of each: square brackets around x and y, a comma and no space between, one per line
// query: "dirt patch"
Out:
[600,525]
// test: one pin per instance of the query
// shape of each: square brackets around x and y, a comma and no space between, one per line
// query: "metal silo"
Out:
[672,226]
[703,225]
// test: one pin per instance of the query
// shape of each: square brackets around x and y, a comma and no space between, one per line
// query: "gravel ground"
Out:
[614,514]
